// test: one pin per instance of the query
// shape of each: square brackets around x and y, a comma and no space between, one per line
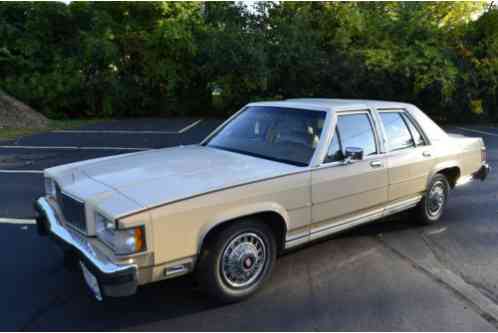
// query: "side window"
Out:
[356,131]
[417,136]
[334,153]
[398,135]
[352,130]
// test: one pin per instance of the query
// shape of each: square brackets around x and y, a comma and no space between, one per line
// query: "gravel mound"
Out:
[15,114]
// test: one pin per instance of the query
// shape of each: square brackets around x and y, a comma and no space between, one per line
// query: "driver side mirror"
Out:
[353,154]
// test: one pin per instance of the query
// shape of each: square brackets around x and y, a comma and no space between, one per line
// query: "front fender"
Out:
[239,212]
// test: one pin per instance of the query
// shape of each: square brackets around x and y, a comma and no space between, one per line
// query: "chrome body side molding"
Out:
[297,240]
[346,224]
[352,222]
[402,205]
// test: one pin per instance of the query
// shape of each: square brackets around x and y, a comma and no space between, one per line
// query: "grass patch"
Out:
[53,125]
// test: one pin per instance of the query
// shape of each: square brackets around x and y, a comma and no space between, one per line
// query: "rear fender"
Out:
[441,166]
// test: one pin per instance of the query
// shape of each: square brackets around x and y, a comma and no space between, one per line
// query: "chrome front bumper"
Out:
[114,280]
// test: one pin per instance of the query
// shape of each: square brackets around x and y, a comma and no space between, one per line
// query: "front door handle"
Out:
[375,164]
[426,154]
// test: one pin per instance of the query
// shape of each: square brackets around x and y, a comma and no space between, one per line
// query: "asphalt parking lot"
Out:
[390,275]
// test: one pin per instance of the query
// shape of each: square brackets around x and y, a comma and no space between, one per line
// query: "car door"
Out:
[409,156]
[345,194]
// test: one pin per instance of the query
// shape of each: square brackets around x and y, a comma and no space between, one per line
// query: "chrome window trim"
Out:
[411,120]
[323,134]
[402,149]
[325,138]
[344,163]
[407,113]
[221,126]
[337,114]
[379,129]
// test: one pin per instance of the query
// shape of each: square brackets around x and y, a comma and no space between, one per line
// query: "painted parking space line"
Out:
[21,171]
[189,127]
[114,148]
[17,221]
[75,148]
[103,131]
[477,131]
[112,132]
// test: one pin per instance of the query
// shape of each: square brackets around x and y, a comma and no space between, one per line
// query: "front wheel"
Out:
[432,206]
[237,261]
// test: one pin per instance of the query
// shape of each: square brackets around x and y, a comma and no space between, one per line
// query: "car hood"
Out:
[162,176]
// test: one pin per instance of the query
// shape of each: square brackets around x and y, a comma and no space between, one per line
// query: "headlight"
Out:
[125,241]
[50,187]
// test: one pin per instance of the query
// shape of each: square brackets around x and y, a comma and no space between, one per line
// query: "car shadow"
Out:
[176,298]
[154,302]
[396,223]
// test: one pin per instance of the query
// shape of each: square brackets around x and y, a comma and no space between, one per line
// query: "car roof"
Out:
[331,104]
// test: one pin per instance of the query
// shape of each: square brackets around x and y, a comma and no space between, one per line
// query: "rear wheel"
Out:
[237,261]
[432,206]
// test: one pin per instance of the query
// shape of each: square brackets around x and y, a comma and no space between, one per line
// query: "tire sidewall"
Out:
[222,290]
[430,219]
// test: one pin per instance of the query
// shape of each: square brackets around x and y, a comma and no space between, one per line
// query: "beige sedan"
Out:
[274,176]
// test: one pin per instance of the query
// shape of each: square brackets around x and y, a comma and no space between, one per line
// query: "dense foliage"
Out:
[87,59]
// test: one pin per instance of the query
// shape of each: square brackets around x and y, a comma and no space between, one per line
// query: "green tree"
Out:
[168,58]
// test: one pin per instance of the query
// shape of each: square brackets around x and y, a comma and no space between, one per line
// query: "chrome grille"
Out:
[72,209]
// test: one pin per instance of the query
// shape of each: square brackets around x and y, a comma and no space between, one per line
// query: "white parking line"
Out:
[436,231]
[477,131]
[17,221]
[114,148]
[183,130]
[74,148]
[21,171]
[113,132]
[103,131]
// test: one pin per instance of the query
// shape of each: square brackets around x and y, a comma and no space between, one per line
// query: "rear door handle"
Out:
[426,154]
[375,164]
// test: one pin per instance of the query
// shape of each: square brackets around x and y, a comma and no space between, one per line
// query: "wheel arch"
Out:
[274,215]
[450,169]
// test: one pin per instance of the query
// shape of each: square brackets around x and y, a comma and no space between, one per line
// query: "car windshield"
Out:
[274,133]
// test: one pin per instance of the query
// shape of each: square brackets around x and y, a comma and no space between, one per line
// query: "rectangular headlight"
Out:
[50,190]
[121,241]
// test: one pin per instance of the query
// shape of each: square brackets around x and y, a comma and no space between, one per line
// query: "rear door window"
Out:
[397,132]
